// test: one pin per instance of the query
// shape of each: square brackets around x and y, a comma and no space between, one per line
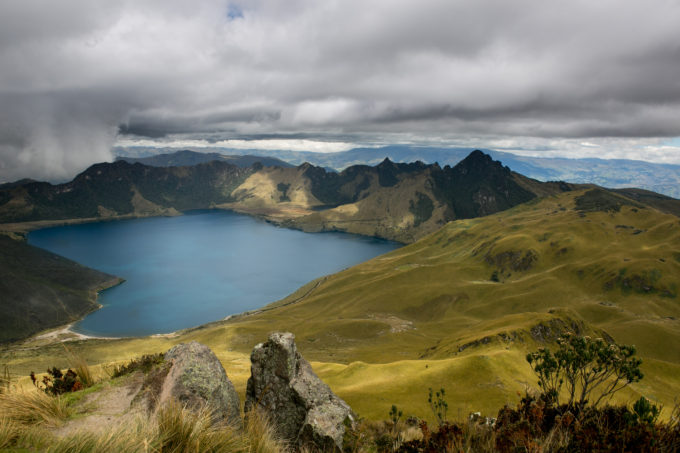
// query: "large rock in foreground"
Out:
[304,409]
[195,377]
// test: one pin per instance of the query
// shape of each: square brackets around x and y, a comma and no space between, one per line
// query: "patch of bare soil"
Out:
[397,325]
[105,409]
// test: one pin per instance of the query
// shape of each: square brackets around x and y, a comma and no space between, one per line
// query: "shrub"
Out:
[645,411]
[57,383]
[144,363]
[586,367]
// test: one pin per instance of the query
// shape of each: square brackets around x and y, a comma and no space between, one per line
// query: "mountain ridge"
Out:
[615,173]
[391,200]
[186,158]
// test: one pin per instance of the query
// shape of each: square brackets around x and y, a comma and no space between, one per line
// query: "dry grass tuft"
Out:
[261,434]
[34,407]
[5,379]
[125,439]
[181,429]
[78,364]
[9,431]
[28,419]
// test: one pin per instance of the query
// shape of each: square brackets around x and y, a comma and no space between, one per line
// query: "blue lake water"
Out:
[200,267]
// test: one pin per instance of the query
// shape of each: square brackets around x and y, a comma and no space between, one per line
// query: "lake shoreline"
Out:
[346,253]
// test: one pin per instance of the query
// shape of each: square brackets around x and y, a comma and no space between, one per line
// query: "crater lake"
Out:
[196,268]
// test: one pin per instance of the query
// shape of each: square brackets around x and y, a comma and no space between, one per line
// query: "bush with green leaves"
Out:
[645,412]
[587,368]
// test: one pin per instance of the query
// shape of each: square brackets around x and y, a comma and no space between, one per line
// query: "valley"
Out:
[460,306]
[187,270]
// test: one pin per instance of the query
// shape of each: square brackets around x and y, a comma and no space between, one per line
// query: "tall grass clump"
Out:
[181,430]
[5,379]
[27,421]
[261,434]
[34,407]
[78,363]
[9,431]
[135,436]
[176,429]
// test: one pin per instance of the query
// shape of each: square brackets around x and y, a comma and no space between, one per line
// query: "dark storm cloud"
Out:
[75,75]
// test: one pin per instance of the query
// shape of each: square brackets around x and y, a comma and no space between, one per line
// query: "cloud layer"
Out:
[75,75]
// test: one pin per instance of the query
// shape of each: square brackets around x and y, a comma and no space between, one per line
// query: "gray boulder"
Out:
[195,377]
[304,409]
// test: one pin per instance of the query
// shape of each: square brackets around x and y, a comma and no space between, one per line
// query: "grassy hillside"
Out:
[461,307]
[39,289]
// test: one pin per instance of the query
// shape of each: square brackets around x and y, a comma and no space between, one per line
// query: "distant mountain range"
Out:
[618,173]
[186,158]
[395,201]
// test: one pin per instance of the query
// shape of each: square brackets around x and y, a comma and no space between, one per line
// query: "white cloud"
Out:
[528,72]
[269,144]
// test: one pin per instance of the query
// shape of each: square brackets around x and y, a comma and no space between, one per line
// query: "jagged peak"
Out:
[477,156]
[386,162]
[478,162]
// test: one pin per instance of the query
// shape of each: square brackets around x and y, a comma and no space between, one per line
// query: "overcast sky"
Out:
[571,78]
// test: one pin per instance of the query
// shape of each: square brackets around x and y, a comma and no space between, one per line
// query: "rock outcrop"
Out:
[194,376]
[304,409]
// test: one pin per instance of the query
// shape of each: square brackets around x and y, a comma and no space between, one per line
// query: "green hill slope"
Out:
[616,269]
[39,289]
[495,287]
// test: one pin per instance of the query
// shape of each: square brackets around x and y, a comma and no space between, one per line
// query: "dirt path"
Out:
[105,409]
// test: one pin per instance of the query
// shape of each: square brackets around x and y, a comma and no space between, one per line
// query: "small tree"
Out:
[586,367]
[395,415]
[438,404]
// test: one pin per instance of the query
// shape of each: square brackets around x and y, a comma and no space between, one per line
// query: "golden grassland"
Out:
[458,309]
